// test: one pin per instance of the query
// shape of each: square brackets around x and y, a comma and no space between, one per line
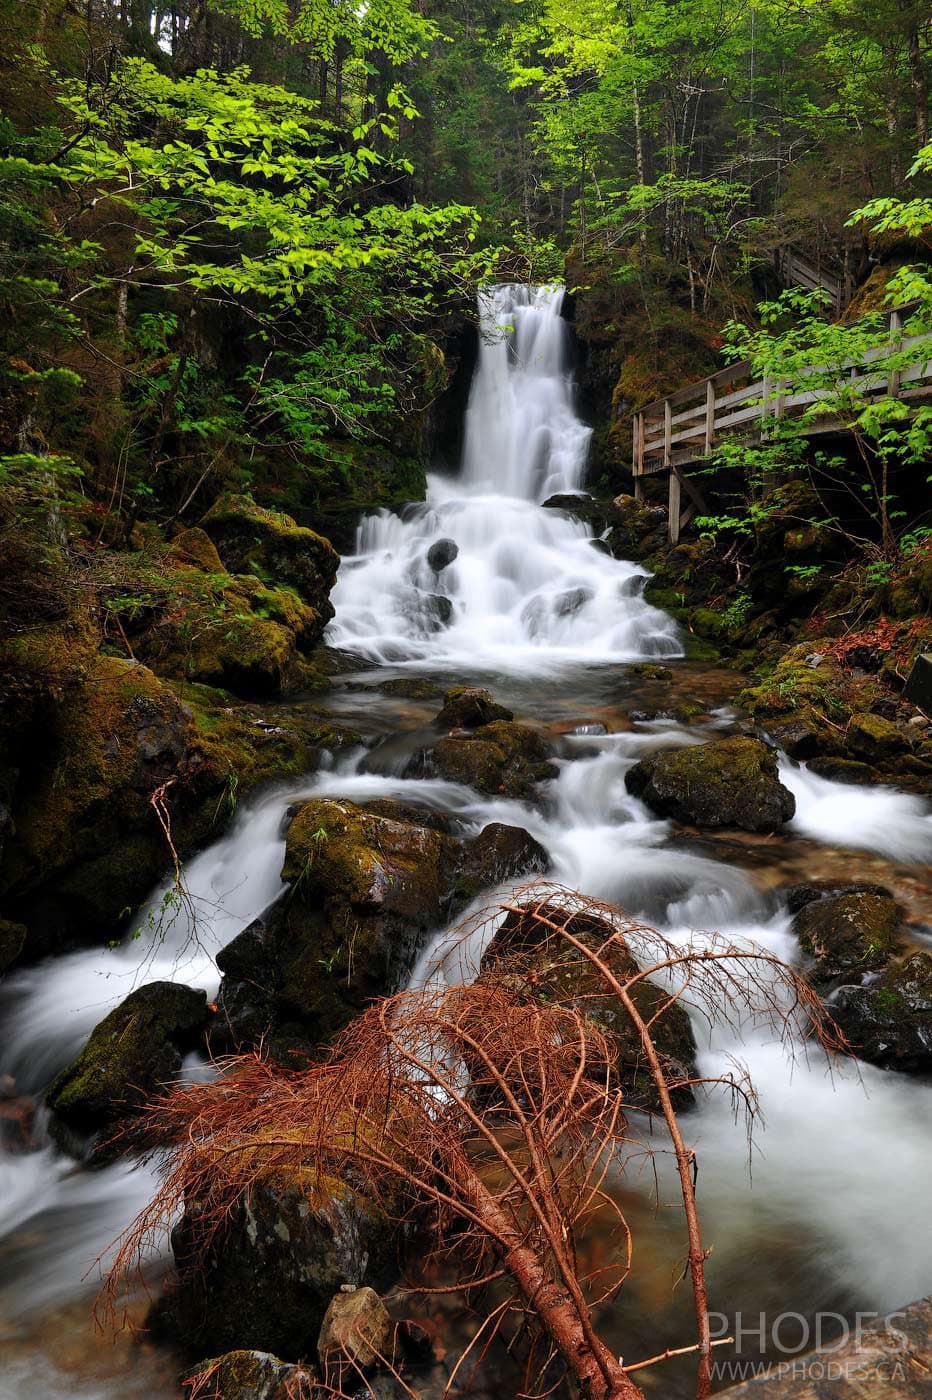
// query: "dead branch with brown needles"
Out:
[490,1115]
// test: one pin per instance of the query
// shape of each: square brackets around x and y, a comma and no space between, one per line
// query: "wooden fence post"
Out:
[895,376]
[709,417]
[638,456]
[674,505]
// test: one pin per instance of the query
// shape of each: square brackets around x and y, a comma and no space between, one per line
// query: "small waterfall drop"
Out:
[523,588]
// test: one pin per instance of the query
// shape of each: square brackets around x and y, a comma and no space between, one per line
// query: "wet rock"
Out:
[439,608]
[498,854]
[848,933]
[502,757]
[442,553]
[730,782]
[365,890]
[547,968]
[798,896]
[356,1332]
[253,1375]
[570,602]
[412,688]
[918,688]
[469,707]
[844,770]
[798,736]
[399,811]
[650,671]
[889,1021]
[131,1054]
[287,1247]
[268,543]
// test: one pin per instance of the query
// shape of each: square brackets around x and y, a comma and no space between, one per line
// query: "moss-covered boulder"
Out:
[469,707]
[195,549]
[547,968]
[270,545]
[853,932]
[365,890]
[873,738]
[501,757]
[252,1375]
[889,1021]
[730,782]
[286,1248]
[134,1052]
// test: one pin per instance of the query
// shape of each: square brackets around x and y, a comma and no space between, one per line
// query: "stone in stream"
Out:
[288,1245]
[501,757]
[853,932]
[889,1021]
[469,707]
[729,782]
[131,1055]
[442,553]
[540,964]
[368,884]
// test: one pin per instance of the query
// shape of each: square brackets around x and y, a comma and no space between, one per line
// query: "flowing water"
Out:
[832,1216]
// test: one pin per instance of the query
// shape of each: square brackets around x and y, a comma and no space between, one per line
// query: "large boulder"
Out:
[365,890]
[442,553]
[501,757]
[852,932]
[269,544]
[889,1021]
[287,1246]
[132,1054]
[469,707]
[730,782]
[545,967]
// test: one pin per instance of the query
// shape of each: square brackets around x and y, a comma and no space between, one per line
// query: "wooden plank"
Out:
[673,525]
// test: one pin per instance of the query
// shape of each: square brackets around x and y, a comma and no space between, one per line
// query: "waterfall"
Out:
[481,575]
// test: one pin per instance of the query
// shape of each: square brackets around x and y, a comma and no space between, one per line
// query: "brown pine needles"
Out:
[489,1116]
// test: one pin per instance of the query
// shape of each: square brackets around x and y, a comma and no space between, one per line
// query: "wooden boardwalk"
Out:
[686,426]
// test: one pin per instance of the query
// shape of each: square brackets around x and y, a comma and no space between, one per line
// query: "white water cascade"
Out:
[527,590]
[832,1216]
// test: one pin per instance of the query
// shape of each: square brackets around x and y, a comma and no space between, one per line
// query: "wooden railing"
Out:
[686,426]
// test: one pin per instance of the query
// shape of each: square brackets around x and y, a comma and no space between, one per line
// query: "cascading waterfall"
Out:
[824,1158]
[525,589]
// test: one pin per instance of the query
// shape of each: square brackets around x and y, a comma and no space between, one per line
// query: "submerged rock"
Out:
[730,782]
[889,1021]
[254,1375]
[287,1247]
[469,707]
[650,671]
[845,933]
[545,967]
[131,1055]
[442,553]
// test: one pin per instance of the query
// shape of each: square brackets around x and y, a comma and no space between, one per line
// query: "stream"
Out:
[829,1214]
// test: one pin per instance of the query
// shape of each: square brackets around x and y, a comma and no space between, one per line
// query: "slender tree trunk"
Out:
[594,1368]
[919,84]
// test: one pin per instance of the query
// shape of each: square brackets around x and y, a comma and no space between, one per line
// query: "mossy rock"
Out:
[804,678]
[286,1248]
[546,968]
[650,671]
[195,549]
[854,932]
[501,757]
[269,544]
[842,770]
[469,707]
[411,688]
[730,782]
[889,1022]
[874,738]
[497,855]
[131,1054]
[253,1375]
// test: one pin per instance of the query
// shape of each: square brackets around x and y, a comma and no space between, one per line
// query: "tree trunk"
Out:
[919,84]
